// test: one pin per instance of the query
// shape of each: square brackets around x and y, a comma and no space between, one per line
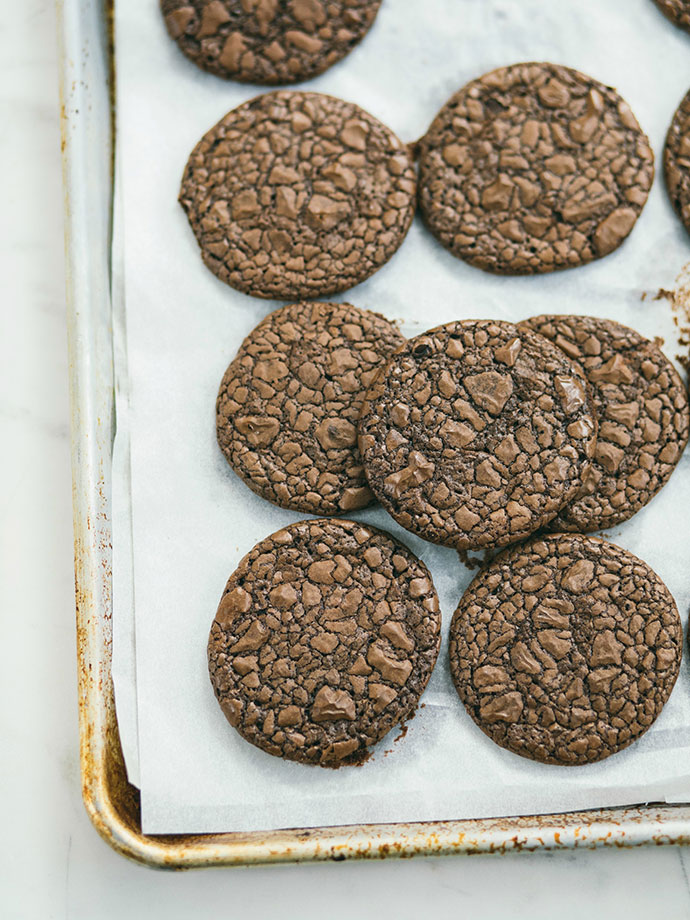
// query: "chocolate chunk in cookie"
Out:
[287,409]
[477,433]
[325,638]
[677,161]
[294,195]
[268,41]
[678,11]
[642,405]
[533,168]
[565,649]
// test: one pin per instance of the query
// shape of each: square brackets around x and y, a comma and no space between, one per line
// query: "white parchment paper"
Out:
[193,519]
[124,648]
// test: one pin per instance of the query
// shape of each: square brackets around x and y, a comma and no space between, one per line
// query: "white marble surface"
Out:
[52,864]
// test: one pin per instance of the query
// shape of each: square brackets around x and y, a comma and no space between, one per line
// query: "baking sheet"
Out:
[193,519]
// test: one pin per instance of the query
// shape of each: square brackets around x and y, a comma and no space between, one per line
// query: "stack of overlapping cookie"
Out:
[476,435]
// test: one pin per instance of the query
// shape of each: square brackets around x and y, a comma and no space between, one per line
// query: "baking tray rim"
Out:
[112,803]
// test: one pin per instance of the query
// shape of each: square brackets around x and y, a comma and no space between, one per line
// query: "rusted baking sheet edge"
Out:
[587,830]
[111,802]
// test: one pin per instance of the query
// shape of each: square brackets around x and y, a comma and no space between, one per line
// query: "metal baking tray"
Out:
[87,108]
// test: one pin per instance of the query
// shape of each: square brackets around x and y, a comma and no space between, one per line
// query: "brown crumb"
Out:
[403,731]
[679,298]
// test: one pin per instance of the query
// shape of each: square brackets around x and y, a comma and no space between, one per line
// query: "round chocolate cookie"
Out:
[324,639]
[476,433]
[678,11]
[642,406]
[565,649]
[287,409]
[677,161]
[268,41]
[533,168]
[296,195]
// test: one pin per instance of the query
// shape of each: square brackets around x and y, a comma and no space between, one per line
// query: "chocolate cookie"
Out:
[565,649]
[677,161]
[325,638]
[678,11]
[287,409]
[268,41]
[642,405]
[296,195]
[476,433]
[533,168]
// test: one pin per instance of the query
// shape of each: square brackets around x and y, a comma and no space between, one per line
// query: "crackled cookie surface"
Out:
[642,406]
[678,11]
[532,168]
[267,41]
[476,433]
[324,639]
[288,404]
[677,160]
[565,649]
[296,195]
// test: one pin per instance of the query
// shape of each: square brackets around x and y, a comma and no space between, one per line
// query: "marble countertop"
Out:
[53,864]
